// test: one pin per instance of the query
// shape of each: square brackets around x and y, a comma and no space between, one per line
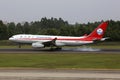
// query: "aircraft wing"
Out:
[50,43]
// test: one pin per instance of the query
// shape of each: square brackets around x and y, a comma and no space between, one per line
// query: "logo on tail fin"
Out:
[99,31]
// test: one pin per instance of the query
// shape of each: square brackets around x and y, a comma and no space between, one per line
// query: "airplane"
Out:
[42,41]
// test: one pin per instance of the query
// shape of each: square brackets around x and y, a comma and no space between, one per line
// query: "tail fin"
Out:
[99,32]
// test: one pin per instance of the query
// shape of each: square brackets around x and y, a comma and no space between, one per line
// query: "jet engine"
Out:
[37,45]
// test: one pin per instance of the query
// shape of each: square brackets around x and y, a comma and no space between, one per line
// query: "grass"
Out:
[54,60]
[107,45]
[15,46]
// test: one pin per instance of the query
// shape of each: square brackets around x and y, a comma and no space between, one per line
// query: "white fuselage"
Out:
[65,40]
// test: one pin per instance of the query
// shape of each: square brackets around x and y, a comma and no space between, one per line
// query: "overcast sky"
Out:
[81,11]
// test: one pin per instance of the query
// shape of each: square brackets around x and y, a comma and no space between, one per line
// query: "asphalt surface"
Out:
[58,74]
[64,50]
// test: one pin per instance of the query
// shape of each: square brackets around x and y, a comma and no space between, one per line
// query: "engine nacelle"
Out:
[37,45]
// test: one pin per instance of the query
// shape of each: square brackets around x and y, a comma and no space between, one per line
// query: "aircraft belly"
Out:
[75,43]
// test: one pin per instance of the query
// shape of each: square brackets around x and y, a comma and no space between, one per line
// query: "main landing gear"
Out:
[19,45]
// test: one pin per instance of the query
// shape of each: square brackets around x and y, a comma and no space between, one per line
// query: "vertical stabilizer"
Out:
[99,32]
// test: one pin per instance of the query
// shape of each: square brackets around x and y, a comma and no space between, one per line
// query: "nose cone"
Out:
[11,39]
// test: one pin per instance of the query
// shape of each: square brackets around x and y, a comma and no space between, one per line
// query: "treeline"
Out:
[54,26]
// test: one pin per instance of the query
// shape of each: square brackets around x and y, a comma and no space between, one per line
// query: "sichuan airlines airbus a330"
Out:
[41,41]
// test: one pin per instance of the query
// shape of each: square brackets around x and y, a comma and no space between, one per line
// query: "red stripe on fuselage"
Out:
[69,39]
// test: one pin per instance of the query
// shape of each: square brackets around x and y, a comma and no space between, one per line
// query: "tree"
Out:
[52,31]
[19,29]
[26,28]
[3,31]
[11,29]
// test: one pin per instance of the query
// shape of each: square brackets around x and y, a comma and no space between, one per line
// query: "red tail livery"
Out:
[98,33]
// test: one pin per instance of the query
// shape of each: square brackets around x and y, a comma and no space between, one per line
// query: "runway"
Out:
[58,74]
[64,50]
